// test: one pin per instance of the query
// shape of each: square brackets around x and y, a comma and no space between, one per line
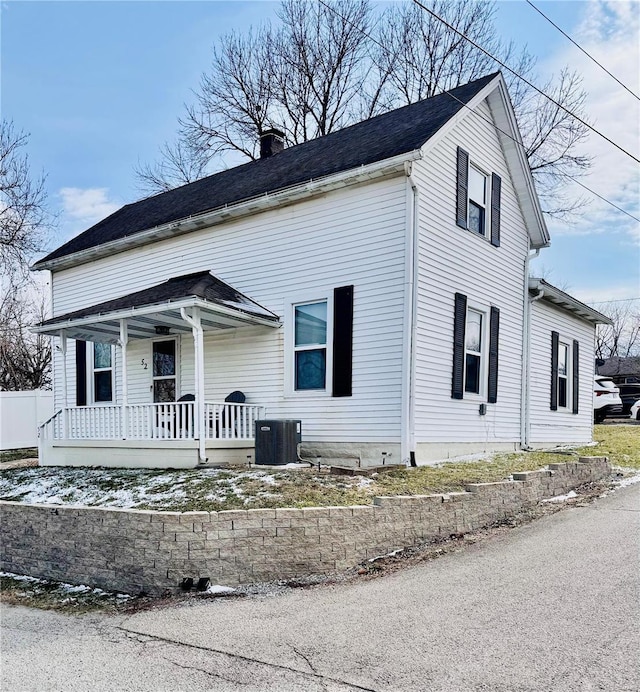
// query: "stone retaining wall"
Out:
[135,551]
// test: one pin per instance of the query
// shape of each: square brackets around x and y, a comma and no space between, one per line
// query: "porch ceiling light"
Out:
[162,329]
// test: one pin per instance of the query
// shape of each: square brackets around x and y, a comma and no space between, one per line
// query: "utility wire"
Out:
[577,45]
[487,120]
[524,79]
[619,300]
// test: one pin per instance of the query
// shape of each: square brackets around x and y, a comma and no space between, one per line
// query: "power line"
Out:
[619,300]
[624,86]
[487,120]
[524,79]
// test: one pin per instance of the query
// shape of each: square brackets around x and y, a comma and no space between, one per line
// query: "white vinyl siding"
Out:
[353,236]
[561,426]
[452,260]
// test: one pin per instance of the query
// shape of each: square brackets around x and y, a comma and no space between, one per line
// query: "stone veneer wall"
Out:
[135,551]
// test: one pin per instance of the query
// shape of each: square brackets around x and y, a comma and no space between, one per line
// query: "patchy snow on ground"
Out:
[65,588]
[562,498]
[479,456]
[128,488]
[219,589]
[382,557]
[627,480]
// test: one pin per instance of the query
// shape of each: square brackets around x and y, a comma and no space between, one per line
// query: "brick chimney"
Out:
[271,143]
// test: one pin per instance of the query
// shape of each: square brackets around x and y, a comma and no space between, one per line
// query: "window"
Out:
[478,197]
[319,344]
[477,200]
[164,371]
[310,346]
[565,374]
[102,379]
[473,351]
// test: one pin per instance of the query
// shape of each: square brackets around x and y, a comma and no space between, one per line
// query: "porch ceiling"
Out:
[221,307]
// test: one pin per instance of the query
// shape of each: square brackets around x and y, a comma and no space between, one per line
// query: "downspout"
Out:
[198,343]
[407,439]
[525,408]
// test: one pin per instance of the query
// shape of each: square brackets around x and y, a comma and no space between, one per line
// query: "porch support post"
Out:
[123,341]
[198,343]
[65,403]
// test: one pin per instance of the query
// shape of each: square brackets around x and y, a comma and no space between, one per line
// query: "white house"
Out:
[372,283]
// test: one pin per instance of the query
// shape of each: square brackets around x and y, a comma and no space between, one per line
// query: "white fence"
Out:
[20,415]
[168,421]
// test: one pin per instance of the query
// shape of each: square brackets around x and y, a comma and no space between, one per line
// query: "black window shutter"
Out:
[555,343]
[462,183]
[342,341]
[496,187]
[81,373]
[494,335]
[459,327]
[576,376]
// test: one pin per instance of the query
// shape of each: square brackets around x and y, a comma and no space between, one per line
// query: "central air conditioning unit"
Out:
[277,441]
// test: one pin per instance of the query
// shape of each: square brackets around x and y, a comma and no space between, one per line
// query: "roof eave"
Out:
[214,217]
[515,154]
[55,327]
[564,301]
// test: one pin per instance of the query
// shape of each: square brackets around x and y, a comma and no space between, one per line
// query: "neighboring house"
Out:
[620,370]
[371,283]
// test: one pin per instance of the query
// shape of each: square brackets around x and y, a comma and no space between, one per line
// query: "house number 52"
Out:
[143,362]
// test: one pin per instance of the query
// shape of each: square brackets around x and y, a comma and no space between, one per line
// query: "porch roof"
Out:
[221,305]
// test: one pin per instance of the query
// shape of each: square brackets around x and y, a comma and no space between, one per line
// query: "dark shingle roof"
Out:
[201,285]
[620,366]
[385,136]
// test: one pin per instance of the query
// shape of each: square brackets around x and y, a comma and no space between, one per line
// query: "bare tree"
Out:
[427,58]
[622,338]
[25,358]
[24,220]
[329,64]
[311,75]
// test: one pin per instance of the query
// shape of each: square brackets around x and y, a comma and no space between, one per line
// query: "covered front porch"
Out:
[170,430]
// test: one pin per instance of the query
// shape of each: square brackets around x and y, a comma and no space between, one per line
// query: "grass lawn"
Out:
[216,489]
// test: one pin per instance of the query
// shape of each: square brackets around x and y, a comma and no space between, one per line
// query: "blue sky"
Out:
[99,86]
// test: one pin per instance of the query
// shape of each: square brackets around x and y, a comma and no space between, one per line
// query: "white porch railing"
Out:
[167,421]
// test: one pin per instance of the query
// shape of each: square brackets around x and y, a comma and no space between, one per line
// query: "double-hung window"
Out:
[477,214]
[102,373]
[565,374]
[310,346]
[476,336]
[319,344]
[473,351]
[478,196]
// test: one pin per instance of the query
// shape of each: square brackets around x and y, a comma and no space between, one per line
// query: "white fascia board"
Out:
[514,152]
[564,301]
[132,313]
[254,205]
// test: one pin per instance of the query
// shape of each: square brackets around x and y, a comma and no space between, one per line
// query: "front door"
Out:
[164,371]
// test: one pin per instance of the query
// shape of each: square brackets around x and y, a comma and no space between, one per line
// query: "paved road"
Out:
[549,606]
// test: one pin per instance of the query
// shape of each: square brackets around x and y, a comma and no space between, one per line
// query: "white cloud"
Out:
[88,205]
[610,31]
